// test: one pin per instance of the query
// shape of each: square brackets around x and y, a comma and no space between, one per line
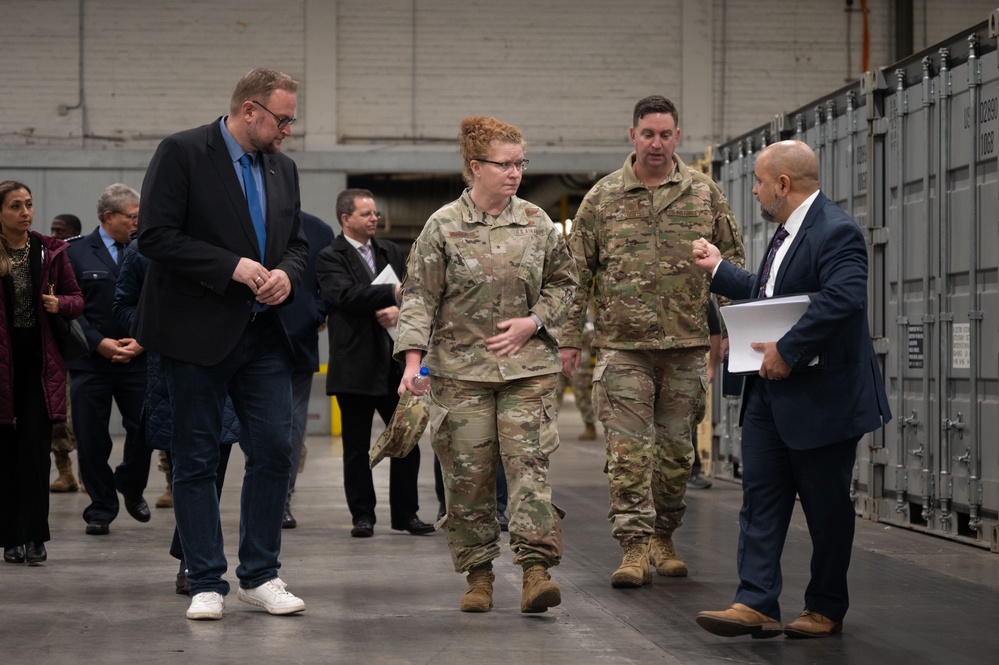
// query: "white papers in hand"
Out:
[765,320]
[387,276]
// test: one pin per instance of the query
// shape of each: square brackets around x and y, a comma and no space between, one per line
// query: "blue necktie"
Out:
[778,240]
[253,200]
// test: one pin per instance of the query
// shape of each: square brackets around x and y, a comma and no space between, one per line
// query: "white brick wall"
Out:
[566,71]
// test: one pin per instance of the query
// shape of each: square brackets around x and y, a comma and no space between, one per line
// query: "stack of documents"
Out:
[764,320]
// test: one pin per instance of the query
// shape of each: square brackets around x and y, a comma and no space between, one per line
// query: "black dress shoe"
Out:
[503,520]
[138,509]
[363,528]
[288,521]
[98,528]
[415,527]
[14,554]
[34,553]
[181,584]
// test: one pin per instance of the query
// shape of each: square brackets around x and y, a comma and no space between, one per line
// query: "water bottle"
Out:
[422,381]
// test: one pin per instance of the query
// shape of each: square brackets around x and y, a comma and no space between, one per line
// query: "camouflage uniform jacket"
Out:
[469,271]
[632,244]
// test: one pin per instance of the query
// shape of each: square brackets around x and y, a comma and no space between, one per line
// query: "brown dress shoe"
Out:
[739,620]
[812,624]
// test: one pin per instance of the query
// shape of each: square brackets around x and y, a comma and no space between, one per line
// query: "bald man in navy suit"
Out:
[800,425]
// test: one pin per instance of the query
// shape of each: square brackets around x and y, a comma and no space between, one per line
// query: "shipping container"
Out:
[910,152]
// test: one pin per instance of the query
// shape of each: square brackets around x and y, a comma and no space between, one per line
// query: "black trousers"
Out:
[356,415]
[92,393]
[24,448]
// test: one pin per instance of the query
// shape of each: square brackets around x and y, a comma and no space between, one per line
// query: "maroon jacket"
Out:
[49,265]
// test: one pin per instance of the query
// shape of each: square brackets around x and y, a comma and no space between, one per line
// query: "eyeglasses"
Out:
[282,121]
[132,218]
[506,166]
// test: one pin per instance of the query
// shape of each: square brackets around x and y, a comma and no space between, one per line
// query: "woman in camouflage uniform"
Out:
[488,285]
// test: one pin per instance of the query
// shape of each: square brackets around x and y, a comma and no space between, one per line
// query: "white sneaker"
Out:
[273,597]
[206,605]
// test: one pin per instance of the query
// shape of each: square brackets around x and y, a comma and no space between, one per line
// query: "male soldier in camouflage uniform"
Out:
[64,227]
[488,285]
[582,383]
[631,240]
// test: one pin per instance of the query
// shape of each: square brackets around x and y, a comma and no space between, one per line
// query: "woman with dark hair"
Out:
[37,282]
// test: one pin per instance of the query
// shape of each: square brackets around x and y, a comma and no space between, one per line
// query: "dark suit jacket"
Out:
[303,317]
[845,397]
[194,225]
[97,275]
[360,349]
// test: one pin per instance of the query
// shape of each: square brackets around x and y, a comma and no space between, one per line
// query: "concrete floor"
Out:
[394,598]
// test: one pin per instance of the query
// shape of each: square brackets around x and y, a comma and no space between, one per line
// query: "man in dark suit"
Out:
[114,370]
[362,373]
[303,318]
[800,425]
[220,226]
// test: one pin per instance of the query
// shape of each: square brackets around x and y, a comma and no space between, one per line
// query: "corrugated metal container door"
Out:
[910,151]
[940,468]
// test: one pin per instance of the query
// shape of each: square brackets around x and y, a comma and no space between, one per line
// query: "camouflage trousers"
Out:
[649,403]
[476,424]
[63,440]
[582,382]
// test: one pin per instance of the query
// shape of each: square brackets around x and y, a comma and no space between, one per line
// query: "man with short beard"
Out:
[220,225]
[800,426]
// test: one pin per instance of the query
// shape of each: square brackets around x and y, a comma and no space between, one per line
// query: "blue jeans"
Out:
[301,391]
[257,375]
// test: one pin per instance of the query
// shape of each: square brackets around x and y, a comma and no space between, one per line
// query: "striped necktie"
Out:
[368,258]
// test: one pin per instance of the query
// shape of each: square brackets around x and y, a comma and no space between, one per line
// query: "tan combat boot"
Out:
[165,500]
[663,557]
[590,433]
[479,596]
[539,592]
[634,570]
[65,482]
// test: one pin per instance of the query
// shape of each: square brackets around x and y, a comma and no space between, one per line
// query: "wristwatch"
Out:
[537,322]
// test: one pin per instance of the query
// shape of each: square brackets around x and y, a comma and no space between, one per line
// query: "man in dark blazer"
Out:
[800,425]
[220,226]
[115,369]
[303,318]
[362,373]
